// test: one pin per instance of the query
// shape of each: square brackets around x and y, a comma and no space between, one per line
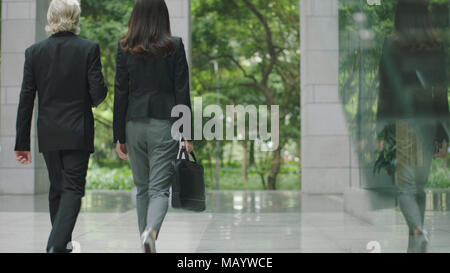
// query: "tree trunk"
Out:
[222,156]
[245,162]
[263,180]
[252,154]
[230,155]
[274,170]
[210,165]
[445,157]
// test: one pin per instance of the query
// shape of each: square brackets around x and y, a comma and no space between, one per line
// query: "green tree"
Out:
[257,45]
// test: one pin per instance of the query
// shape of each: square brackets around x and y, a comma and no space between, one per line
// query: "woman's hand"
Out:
[121,151]
[189,146]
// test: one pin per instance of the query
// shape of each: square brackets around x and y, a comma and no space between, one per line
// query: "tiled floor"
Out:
[234,222]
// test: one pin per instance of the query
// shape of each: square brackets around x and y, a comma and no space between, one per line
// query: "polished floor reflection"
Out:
[255,221]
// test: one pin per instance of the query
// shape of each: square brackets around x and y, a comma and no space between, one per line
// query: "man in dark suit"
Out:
[66,73]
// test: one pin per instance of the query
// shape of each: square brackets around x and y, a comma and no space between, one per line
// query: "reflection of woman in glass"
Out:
[413,100]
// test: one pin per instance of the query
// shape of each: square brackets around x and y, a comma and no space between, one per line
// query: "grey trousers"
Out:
[415,140]
[151,149]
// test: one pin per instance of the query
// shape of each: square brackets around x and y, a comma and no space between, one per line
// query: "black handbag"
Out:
[188,184]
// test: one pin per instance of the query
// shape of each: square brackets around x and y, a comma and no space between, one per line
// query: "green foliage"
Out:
[256,45]
[439,177]
[387,157]
[109,179]
[231,179]
[114,177]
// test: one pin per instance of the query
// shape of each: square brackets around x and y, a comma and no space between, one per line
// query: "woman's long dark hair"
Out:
[413,26]
[149,32]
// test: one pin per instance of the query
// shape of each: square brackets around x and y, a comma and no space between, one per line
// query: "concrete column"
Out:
[326,143]
[22,24]
[180,16]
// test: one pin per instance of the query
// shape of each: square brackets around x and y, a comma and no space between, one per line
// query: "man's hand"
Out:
[121,151]
[24,157]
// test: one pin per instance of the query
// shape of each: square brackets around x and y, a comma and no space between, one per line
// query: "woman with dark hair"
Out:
[152,77]
[414,101]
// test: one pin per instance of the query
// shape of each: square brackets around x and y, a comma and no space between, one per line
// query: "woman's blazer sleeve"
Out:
[182,86]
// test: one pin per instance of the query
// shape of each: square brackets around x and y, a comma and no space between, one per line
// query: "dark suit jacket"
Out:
[66,72]
[413,85]
[149,88]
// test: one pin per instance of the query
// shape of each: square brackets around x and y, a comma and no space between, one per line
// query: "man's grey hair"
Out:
[63,15]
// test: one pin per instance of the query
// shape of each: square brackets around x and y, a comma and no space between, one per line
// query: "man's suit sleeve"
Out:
[121,91]
[26,105]
[97,86]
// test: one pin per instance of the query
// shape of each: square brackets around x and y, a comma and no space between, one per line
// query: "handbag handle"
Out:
[185,153]
[193,156]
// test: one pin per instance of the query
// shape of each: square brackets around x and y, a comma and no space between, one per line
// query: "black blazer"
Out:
[149,88]
[413,85]
[66,72]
